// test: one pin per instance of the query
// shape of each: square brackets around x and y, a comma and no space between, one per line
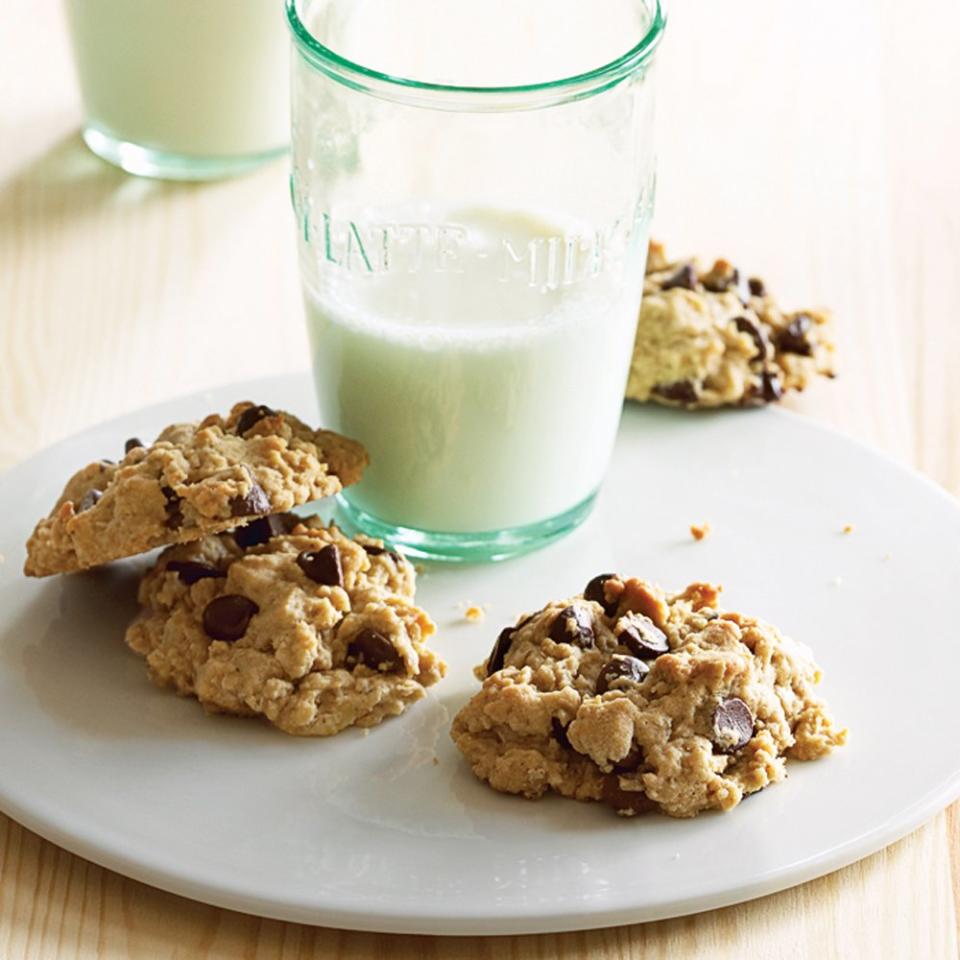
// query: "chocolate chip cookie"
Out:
[196,479]
[287,620]
[643,700]
[718,338]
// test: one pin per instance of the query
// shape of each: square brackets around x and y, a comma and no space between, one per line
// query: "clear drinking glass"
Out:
[182,89]
[473,196]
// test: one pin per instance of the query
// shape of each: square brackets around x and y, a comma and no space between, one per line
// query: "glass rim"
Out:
[465,97]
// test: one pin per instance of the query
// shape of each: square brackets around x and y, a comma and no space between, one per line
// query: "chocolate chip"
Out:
[625,801]
[500,650]
[259,531]
[771,389]
[373,649]
[685,277]
[374,551]
[732,725]
[620,666]
[632,761]
[757,287]
[560,733]
[174,513]
[793,337]
[190,571]
[132,444]
[254,501]
[504,641]
[753,330]
[251,417]
[88,500]
[573,625]
[641,636]
[228,617]
[595,592]
[680,391]
[322,566]
[768,390]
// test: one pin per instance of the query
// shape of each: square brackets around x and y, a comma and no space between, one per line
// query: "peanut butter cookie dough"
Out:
[718,338]
[196,479]
[288,620]
[643,700]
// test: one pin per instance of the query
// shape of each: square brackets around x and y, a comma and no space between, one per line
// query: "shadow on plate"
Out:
[68,647]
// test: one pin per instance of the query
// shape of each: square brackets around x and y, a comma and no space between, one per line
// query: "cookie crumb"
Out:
[436,761]
[847,528]
[699,530]
[474,614]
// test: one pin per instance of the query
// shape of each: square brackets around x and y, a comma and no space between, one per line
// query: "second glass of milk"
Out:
[473,183]
[183,89]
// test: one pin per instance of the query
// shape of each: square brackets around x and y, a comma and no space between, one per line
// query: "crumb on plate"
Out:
[699,530]
[474,614]
[847,528]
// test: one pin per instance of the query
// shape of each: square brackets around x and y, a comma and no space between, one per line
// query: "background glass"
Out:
[182,89]
[472,256]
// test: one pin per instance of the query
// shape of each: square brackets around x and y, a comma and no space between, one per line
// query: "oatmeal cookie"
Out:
[718,338]
[643,700]
[196,479]
[289,620]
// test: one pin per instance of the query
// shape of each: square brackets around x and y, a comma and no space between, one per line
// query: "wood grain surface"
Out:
[818,144]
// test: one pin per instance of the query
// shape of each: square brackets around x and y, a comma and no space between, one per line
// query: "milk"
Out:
[480,359]
[199,78]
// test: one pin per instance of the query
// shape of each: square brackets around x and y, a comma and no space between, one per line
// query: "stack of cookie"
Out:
[250,608]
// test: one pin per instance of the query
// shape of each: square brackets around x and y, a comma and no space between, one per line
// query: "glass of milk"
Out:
[473,182]
[183,89]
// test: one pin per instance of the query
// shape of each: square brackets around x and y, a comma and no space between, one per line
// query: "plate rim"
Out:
[413,923]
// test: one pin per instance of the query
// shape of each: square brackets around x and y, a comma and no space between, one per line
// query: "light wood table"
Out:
[817,143]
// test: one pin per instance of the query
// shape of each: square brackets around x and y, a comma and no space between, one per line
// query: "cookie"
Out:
[298,624]
[718,338]
[196,479]
[643,700]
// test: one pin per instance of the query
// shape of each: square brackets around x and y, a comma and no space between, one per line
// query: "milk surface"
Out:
[483,370]
[205,78]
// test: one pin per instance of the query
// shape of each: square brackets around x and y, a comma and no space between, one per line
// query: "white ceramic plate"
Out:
[367,832]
